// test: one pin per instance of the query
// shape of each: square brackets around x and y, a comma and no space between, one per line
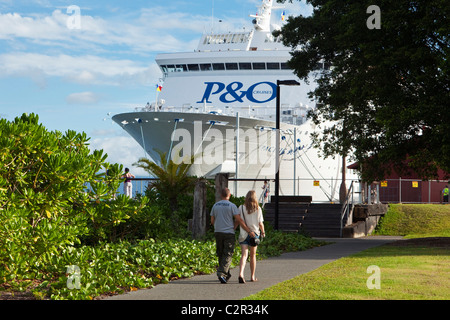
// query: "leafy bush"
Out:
[113,268]
[278,242]
[42,176]
[117,267]
[44,203]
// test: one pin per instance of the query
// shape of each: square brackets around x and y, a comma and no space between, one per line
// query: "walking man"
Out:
[222,214]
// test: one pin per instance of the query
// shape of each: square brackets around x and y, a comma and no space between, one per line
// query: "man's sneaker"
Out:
[222,279]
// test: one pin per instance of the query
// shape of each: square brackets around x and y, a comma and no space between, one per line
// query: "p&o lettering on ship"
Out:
[261,92]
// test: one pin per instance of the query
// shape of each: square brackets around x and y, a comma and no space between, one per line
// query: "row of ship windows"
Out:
[225,66]
[236,38]
[232,66]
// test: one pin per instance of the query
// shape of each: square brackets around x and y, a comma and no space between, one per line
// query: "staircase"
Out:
[298,214]
[291,212]
[323,220]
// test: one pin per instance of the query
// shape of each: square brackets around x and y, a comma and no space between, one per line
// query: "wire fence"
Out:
[409,191]
[138,186]
[322,190]
[327,190]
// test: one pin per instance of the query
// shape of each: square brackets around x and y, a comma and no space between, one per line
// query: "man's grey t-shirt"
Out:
[223,212]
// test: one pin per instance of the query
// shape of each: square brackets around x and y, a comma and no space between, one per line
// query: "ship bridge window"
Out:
[238,38]
[193,67]
[181,68]
[231,66]
[273,65]
[259,65]
[228,38]
[170,68]
[224,66]
[218,66]
[205,67]
[245,66]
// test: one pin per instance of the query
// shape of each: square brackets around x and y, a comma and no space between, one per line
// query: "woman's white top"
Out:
[251,220]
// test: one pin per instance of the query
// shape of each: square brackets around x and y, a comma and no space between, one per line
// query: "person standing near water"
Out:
[127,185]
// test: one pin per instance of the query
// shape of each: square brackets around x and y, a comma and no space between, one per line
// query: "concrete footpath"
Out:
[269,272]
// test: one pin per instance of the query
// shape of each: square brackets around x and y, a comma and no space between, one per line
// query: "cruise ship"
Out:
[217,105]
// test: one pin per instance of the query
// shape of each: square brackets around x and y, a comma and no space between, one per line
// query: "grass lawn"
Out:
[406,273]
[416,221]
[417,269]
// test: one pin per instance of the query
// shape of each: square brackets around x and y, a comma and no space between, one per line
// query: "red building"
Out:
[407,189]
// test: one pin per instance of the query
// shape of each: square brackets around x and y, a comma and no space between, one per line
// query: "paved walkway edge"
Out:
[269,272]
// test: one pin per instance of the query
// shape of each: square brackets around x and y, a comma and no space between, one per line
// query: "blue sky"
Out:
[76,74]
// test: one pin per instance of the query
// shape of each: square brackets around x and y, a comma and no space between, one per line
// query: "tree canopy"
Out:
[387,90]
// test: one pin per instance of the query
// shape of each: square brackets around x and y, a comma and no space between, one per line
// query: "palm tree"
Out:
[172,177]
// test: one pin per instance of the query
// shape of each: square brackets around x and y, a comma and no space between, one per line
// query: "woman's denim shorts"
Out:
[247,240]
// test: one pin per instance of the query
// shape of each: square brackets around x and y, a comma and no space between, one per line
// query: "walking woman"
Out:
[251,213]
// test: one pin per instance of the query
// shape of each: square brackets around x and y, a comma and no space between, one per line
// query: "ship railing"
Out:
[289,114]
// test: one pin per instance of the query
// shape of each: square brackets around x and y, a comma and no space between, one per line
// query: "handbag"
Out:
[252,241]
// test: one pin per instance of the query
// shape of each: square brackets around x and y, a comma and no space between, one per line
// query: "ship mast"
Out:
[261,20]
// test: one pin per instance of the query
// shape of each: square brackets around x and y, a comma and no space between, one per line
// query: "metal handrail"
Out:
[346,207]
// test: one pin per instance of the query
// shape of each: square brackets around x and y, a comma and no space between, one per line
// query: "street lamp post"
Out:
[277,145]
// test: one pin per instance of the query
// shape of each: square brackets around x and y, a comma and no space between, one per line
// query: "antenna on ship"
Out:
[262,18]
[212,18]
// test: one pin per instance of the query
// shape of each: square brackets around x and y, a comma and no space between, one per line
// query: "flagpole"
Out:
[156,101]
[158,90]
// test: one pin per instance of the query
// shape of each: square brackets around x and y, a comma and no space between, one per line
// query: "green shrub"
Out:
[117,267]
[278,242]
[42,177]
[44,203]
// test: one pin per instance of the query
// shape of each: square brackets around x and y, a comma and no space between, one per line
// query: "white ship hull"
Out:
[212,140]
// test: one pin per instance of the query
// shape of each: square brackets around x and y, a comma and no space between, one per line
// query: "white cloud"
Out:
[150,31]
[121,150]
[14,25]
[86,69]
[84,77]
[155,29]
[64,64]
[82,98]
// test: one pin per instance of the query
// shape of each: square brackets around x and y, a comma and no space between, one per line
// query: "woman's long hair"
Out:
[251,203]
